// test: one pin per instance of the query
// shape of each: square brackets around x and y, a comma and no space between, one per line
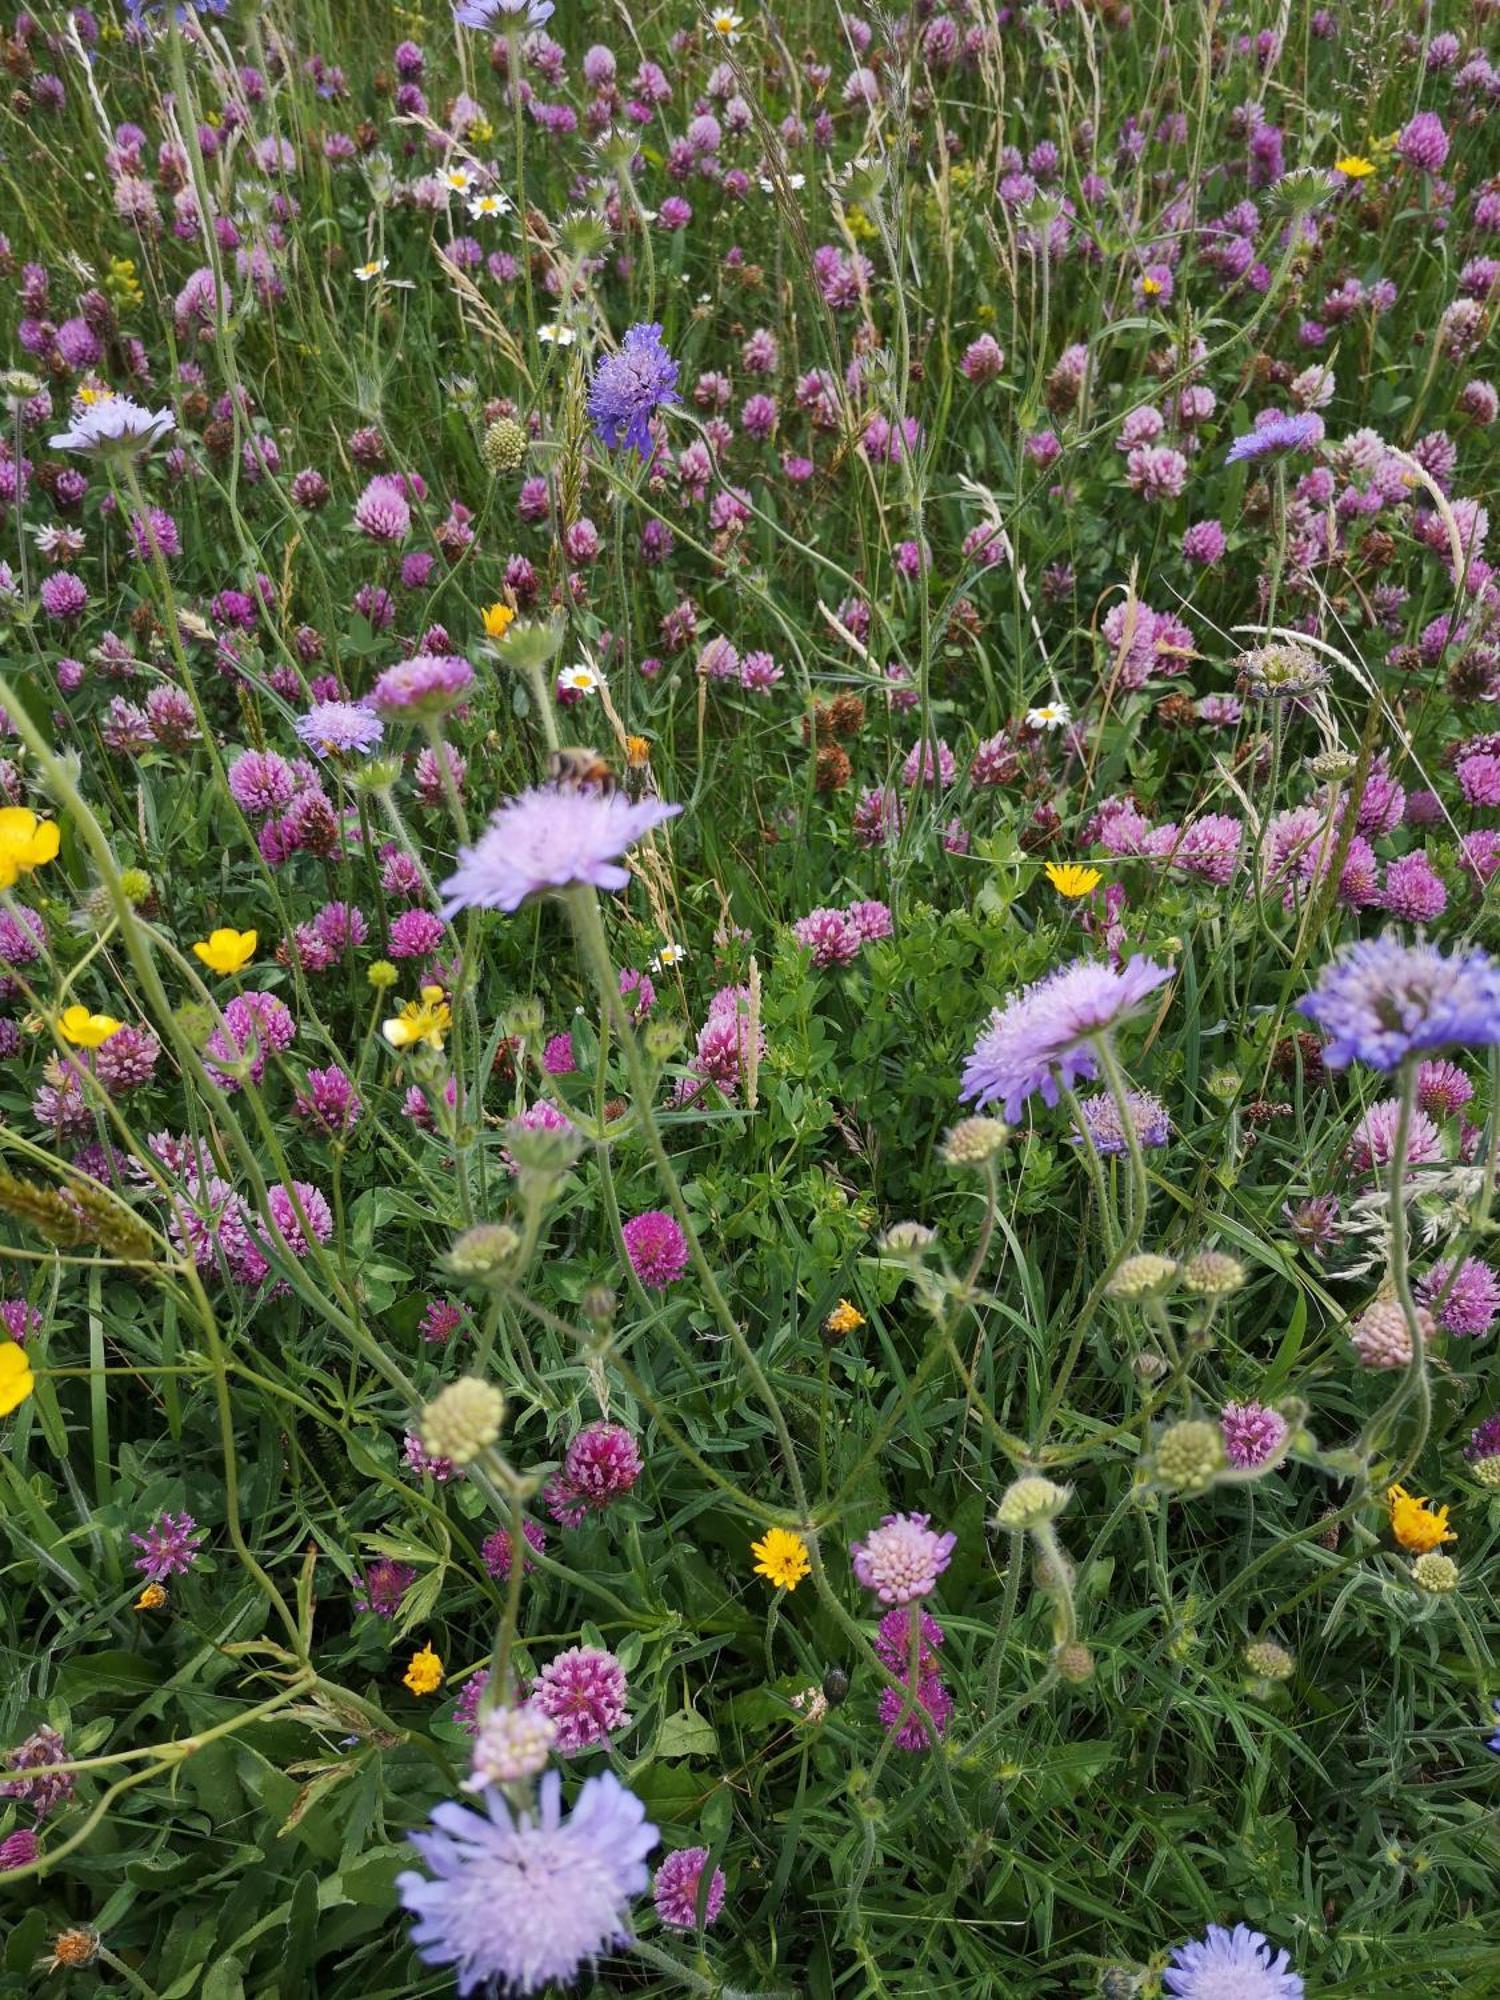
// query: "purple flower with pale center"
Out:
[521,1901]
[584,1691]
[630,386]
[493,14]
[1277,431]
[902,1559]
[1039,1038]
[113,424]
[676,1889]
[548,839]
[339,729]
[1231,1965]
[169,1547]
[1253,1433]
[427,683]
[1382,1001]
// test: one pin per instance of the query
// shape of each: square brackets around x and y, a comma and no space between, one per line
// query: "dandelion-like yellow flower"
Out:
[1072,879]
[227,950]
[1415,1525]
[781,1558]
[498,619]
[25,843]
[1151,286]
[424,1673]
[16,1381]
[426,1020]
[845,1318]
[85,1030]
[637,752]
[152,1598]
[1354,167]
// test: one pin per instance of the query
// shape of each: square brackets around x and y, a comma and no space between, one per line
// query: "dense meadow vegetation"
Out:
[749,822]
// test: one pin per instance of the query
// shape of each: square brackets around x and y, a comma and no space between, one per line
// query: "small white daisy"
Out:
[365,272]
[488,204]
[556,335]
[1051,715]
[669,955]
[581,679]
[459,179]
[724,21]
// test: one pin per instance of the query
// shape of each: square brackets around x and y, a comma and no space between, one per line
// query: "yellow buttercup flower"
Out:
[424,1673]
[86,1030]
[227,950]
[498,619]
[16,1382]
[844,1318]
[1415,1525]
[1354,167]
[425,1020]
[781,1558]
[1072,879]
[25,843]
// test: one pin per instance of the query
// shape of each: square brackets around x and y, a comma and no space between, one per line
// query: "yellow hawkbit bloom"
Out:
[25,843]
[1354,167]
[781,1558]
[1072,879]
[497,620]
[1415,1525]
[637,752]
[16,1382]
[85,1030]
[844,1318]
[424,1673]
[425,1020]
[227,950]
[152,1598]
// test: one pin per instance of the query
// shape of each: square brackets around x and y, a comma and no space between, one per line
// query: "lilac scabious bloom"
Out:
[1275,431]
[113,424]
[1106,1129]
[1253,1433]
[630,386]
[496,1552]
[656,1247]
[1039,1039]
[1472,1297]
[43,1748]
[382,1587]
[1231,1965]
[492,14]
[677,1887]
[427,683]
[548,839]
[584,1691]
[521,1901]
[902,1559]
[1382,1001]
[339,728]
[169,1547]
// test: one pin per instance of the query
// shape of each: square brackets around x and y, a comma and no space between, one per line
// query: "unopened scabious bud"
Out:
[504,446]
[1212,1274]
[908,1239]
[1435,1573]
[545,1151]
[382,975]
[483,1251]
[1074,1662]
[525,1019]
[1119,1982]
[973,1141]
[511,1744]
[135,886]
[1270,1661]
[1029,1502]
[1139,1276]
[662,1040]
[462,1420]
[1487,1472]
[1189,1456]
[1052,1571]
[599,1305]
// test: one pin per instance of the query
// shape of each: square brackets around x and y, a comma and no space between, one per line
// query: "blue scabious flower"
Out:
[1231,1965]
[1382,1001]
[521,1901]
[1493,1742]
[550,839]
[1277,431]
[495,13]
[1040,1038]
[630,386]
[332,728]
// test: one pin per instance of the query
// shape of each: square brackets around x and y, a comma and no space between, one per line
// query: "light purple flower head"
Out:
[584,1690]
[1382,1001]
[1276,431]
[113,424]
[902,1559]
[339,728]
[494,14]
[519,1902]
[1231,1965]
[427,684]
[547,839]
[630,386]
[1039,1038]
[169,1547]
[1253,1433]
[1106,1129]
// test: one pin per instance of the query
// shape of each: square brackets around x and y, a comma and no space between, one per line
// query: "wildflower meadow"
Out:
[749,999]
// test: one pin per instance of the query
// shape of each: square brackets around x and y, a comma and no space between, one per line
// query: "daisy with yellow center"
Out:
[227,950]
[845,1318]
[459,179]
[1415,1525]
[488,204]
[365,272]
[26,842]
[498,619]
[669,955]
[781,1558]
[16,1382]
[1051,715]
[581,679]
[556,336]
[424,1673]
[426,1021]
[1072,879]
[725,22]
[86,1030]
[1354,167]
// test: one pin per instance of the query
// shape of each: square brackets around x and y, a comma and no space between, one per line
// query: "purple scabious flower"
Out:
[902,1559]
[1277,431]
[1253,1433]
[169,1547]
[1382,1001]
[427,683]
[1106,1129]
[548,839]
[495,1554]
[1493,1742]
[1473,1297]
[383,1586]
[1039,1038]
[1231,1965]
[656,1247]
[630,386]
[339,729]
[113,424]
[584,1691]
[492,14]
[676,1889]
[521,1901]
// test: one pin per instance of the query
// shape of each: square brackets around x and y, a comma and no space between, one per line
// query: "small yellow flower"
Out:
[424,1673]
[86,1030]
[844,1318]
[152,1598]
[1072,879]
[227,950]
[781,1558]
[425,1020]
[25,843]
[498,619]
[1415,1525]
[16,1381]
[365,272]
[1151,286]
[637,752]
[1354,167]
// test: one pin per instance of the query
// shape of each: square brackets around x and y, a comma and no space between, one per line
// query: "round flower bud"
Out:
[382,975]
[1212,1274]
[599,1305]
[1074,1662]
[662,1040]
[908,1239]
[973,1141]
[1270,1661]
[525,1019]
[546,1150]
[1435,1573]
[460,1421]
[135,886]
[1487,1472]
[1028,1502]
[1052,1572]
[1381,1337]
[1119,1982]
[1189,1456]
[1138,1276]
[511,1744]
[504,446]
[482,1251]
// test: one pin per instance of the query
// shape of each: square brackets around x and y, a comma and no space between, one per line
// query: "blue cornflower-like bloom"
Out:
[1231,1965]
[141,10]
[1493,1742]
[550,839]
[1040,1038]
[630,386]
[336,728]
[1382,1001]
[521,1901]
[1276,431]
[495,13]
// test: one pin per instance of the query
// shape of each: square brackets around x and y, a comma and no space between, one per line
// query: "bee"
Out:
[580,769]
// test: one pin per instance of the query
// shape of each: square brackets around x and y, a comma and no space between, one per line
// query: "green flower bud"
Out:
[504,446]
[1435,1573]
[462,1420]
[1141,1275]
[973,1141]
[483,1251]
[1189,1456]
[382,975]
[1270,1661]
[1074,1662]
[1487,1472]
[1028,1502]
